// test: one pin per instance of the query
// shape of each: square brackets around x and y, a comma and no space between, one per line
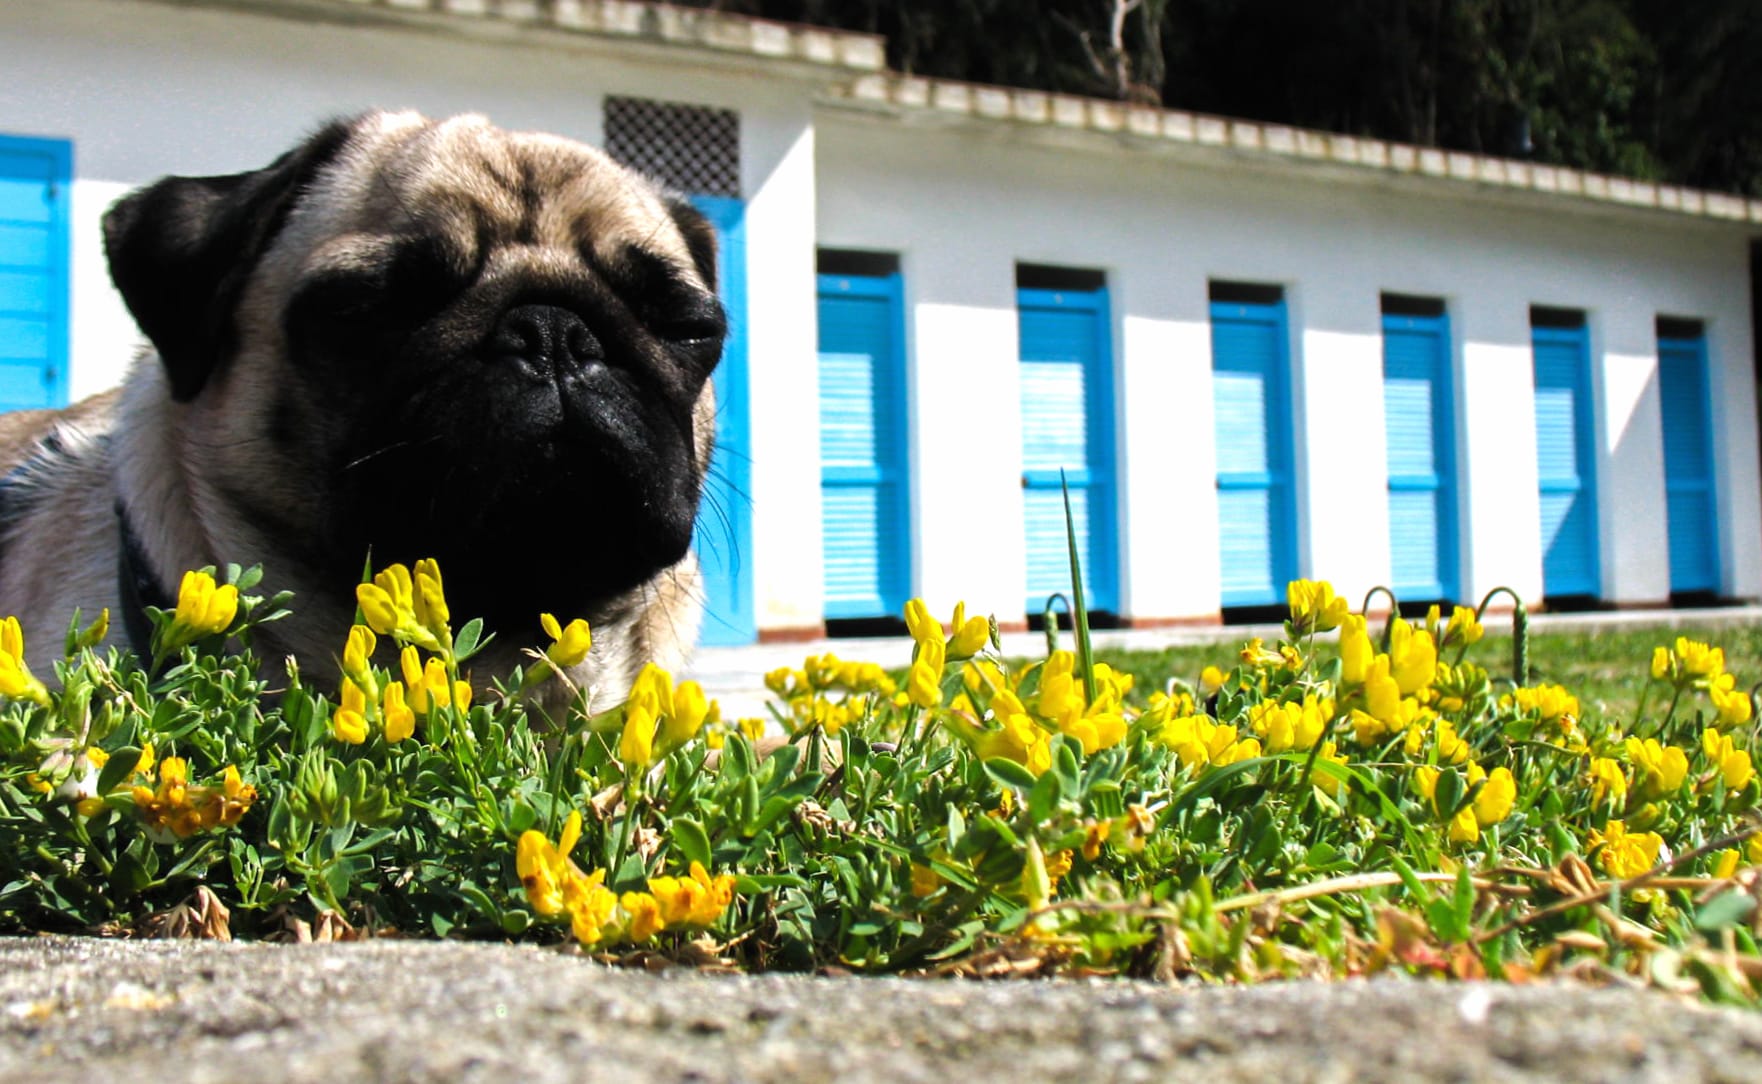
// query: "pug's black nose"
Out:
[545,341]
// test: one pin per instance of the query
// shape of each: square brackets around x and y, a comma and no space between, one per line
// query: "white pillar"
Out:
[1501,512]
[1634,542]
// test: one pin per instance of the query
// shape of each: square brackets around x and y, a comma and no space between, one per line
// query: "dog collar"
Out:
[137,587]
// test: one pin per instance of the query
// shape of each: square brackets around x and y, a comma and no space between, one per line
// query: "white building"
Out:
[1257,352]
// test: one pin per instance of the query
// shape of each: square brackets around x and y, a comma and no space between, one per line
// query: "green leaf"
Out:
[690,840]
[1723,910]
[1043,799]
[1009,773]
[119,767]
[468,641]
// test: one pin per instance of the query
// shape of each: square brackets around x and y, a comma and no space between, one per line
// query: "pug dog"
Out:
[404,338]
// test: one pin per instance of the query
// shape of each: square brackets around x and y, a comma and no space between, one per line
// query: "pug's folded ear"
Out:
[181,250]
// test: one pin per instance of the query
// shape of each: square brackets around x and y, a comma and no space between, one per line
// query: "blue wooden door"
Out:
[1422,479]
[1067,425]
[1688,463]
[724,527]
[1566,461]
[34,182]
[1256,510]
[865,525]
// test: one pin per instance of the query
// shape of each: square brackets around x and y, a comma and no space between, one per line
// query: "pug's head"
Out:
[439,339]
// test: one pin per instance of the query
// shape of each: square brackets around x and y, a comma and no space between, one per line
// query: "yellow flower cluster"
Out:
[1387,691]
[393,707]
[659,718]
[1199,740]
[1491,804]
[1314,607]
[1690,664]
[556,886]
[1625,854]
[410,607]
[1550,705]
[175,808]
[829,692]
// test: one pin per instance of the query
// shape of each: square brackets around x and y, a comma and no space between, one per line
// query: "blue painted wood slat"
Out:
[1566,461]
[1417,411]
[864,479]
[35,177]
[1691,504]
[1252,411]
[723,538]
[1067,422]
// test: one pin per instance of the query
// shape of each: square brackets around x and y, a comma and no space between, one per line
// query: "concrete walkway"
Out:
[207,1013]
[735,676]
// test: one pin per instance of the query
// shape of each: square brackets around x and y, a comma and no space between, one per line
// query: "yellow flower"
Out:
[203,609]
[644,913]
[389,605]
[570,643]
[400,721]
[176,809]
[1733,763]
[16,681]
[1451,749]
[920,624]
[1211,679]
[1413,658]
[1493,803]
[1661,663]
[349,721]
[694,900]
[1201,740]
[752,728]
[1290,726]
[1608,781]
[1626,854]
[1356,651]
[636,748]
[358,656]
[591,906]
[1314,606]
[1382,693]
[1551,703]
[1731,703]
[1464,628]
[970,634]
[1725,863]
[924,685]
[1658,769]
[428,601]
[545,868]
[1096,731]
[1698,660]
[686,715]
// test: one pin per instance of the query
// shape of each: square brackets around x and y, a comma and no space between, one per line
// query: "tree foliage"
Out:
[1645,88]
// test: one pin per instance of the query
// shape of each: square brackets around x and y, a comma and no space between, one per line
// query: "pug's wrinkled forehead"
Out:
[484,194]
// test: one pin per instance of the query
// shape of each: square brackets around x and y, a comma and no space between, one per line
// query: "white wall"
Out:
[146,90]
[962,203]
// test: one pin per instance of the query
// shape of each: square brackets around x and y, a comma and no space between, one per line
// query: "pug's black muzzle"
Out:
[545,342]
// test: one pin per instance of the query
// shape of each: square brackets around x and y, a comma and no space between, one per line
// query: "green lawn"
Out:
[1606,670]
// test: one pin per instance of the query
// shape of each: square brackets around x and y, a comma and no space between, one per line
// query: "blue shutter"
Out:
[724,535]
[865,526]
[1422,490]
[1566,461]
[34,181]
[1067,416]
[1688,464]
[1251,411]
